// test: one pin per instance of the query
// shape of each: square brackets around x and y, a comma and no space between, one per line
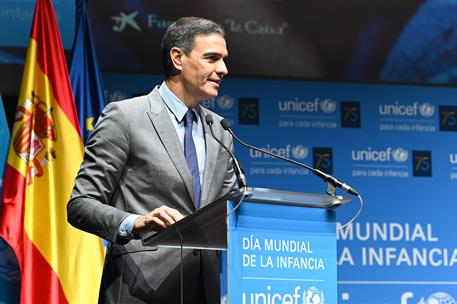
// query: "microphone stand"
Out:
[332,182]
[242,183]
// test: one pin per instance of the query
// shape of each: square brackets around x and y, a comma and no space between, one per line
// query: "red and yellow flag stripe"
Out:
[58,263]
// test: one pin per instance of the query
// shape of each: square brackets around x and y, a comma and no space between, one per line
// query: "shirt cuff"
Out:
[126,226]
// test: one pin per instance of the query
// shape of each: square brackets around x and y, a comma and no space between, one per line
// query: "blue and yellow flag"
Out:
[85,76]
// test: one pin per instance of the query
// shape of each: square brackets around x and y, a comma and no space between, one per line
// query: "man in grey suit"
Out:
[151,161]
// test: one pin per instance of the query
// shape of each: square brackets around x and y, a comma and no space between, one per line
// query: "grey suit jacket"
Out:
[134,163]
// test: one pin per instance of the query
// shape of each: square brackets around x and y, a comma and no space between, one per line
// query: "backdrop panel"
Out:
[395,144]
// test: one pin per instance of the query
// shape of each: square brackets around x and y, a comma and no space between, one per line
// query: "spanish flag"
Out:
[58,263]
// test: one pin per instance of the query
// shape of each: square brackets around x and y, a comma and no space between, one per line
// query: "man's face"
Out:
[203,68]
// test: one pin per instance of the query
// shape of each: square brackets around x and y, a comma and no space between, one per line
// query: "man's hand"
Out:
[158,219]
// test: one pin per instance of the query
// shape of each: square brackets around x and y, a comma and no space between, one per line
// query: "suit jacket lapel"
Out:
[166,131]
[212,148]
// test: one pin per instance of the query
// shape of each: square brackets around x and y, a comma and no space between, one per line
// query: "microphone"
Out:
[332,182]
[242,183]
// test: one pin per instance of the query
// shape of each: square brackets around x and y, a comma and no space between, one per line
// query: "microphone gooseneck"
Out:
[326,177]
[242,183]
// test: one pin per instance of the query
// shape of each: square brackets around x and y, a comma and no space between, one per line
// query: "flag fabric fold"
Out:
[9,269]
[4,140]
[85,73]
[59,264]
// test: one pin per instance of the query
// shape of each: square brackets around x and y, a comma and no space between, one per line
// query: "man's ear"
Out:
[176,58]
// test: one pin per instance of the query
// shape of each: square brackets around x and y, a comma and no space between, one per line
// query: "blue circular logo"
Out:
[426,109]
[300,152]
[440,298]
[225,102]
[328,105]
[400,155]
[313,295]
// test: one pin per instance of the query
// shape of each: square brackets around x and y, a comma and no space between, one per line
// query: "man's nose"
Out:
[221,68]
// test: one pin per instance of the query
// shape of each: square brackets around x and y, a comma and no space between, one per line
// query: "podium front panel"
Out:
[279,254]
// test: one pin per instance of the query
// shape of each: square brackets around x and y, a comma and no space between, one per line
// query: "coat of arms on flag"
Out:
[35,130]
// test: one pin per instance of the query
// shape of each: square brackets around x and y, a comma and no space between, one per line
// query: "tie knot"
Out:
[190,117]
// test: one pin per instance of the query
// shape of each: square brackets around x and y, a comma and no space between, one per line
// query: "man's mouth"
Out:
[216,81]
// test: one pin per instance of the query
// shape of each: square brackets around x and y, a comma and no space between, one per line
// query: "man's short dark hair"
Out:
[182,34]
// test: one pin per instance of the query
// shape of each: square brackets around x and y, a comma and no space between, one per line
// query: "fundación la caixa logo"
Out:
[129,21]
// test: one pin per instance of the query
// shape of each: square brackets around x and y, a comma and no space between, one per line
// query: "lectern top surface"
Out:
[272,196]
[206,228]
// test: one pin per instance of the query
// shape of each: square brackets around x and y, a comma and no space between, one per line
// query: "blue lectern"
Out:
[279,247]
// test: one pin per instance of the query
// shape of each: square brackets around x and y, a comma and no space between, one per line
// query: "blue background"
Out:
[414,200]
[423,200]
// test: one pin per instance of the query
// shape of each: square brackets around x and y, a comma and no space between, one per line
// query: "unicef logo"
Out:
[426,109]
[328,105]
[225,102]
[300,152]
[313,295]
[400,155]
[440,298]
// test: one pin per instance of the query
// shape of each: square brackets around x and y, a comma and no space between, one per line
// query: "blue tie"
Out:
[191,154]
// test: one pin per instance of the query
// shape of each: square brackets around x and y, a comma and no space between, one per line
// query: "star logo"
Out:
[125,19]
[90,124]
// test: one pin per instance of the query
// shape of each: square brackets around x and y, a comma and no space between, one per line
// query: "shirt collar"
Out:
[176,106]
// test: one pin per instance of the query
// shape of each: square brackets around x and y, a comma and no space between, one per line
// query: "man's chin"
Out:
[211,94]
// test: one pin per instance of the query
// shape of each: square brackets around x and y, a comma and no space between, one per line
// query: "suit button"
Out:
[196,251]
